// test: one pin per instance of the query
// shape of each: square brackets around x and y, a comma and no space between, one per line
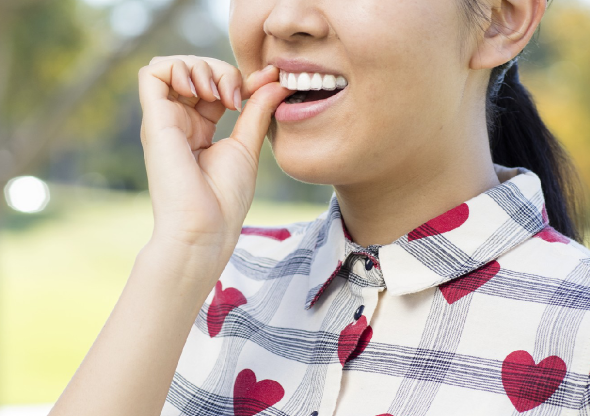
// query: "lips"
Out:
[307,109]
[316,88]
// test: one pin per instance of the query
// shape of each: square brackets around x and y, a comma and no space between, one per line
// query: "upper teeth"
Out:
[306,81]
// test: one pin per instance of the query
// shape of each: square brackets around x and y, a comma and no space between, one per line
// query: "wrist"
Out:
[180,263]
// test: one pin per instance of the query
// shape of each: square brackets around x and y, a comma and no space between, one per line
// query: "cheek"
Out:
[246,33]
[402,37]
[403,62]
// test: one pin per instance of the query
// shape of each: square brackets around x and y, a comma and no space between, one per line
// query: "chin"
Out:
[315,160]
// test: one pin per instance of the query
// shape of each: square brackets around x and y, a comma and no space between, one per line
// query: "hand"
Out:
[200,191]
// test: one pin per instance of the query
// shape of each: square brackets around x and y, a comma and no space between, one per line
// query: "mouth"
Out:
[310,87]
[312,94]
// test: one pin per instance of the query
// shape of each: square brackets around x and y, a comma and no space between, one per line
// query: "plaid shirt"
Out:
[481,311]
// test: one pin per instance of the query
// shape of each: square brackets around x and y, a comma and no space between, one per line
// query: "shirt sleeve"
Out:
[585,405]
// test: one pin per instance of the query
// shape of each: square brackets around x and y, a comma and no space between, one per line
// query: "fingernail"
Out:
[193,90]
[215,90]
[268,68]
[238,99]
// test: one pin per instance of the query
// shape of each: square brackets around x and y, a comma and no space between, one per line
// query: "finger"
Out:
[226,78]
[156,80]
[253,123]
[259,78]
[229,82]
[202,77]
[211,111]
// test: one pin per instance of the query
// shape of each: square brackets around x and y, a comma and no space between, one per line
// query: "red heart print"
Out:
[251,397]
[445,222]
[455,289]
[349,338]
[362,344]
[551,235]
[276,233]
[528,384]
[221,305]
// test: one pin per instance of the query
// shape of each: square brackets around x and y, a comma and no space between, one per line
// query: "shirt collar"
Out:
[450,245]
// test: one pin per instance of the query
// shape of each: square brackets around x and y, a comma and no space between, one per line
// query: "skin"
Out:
[410,141]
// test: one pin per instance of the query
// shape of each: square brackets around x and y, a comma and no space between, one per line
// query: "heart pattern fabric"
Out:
[455,289]
[279,234]
[251,396]
[445,222]
[224,301]
[527,384]
[353,339]
[364,340]
[551,235]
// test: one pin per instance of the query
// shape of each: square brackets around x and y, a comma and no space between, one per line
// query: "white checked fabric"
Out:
[481,311]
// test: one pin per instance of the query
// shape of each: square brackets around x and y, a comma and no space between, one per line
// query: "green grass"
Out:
[61,274]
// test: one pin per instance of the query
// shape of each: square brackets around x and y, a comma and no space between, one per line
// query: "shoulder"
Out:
[278,241]
[552,254]
[272,241]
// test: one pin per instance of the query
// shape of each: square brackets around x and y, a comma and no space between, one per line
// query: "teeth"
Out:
[305,81]
[341,82]
[329,83]
[292,82]
[316,82]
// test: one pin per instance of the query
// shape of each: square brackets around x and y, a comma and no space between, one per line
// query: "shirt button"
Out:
[359,312]
[368,264]
[314,413]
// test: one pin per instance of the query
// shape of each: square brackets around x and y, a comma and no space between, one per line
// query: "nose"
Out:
[295,20]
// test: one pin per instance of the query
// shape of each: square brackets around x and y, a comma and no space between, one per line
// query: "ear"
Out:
[513,23]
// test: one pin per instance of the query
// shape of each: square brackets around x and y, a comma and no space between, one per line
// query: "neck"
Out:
[381,210]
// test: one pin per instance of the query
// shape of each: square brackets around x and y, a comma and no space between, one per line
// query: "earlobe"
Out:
[512,25]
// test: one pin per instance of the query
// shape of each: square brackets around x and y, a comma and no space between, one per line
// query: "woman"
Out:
[447,276]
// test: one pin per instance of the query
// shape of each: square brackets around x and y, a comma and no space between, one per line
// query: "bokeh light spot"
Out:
[130,18]
[26,194]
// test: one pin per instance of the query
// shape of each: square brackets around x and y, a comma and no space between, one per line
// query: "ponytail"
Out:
[518,137]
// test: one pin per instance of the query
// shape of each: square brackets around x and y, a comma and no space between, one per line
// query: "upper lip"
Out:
[298,65]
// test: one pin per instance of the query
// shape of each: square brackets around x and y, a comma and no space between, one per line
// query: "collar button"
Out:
[359,312]
[368,264]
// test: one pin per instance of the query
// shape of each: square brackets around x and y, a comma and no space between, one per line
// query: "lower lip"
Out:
[303,111]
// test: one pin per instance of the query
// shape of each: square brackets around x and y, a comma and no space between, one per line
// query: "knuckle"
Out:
[236,75]
[142,72]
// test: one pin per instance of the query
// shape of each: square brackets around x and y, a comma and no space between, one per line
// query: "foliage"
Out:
[557,71]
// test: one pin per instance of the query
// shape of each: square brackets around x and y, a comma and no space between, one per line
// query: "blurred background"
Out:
[75,209]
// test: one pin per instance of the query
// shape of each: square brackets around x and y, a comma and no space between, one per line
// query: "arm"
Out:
[129,369]
[201,193]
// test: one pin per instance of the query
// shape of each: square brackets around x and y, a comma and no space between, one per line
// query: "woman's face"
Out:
[406,81]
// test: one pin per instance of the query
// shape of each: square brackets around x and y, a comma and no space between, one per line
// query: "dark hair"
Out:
[519,137]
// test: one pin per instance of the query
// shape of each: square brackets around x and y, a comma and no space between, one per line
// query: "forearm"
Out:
[130,366]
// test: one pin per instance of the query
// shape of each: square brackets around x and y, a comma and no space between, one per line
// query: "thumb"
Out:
[253,123]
